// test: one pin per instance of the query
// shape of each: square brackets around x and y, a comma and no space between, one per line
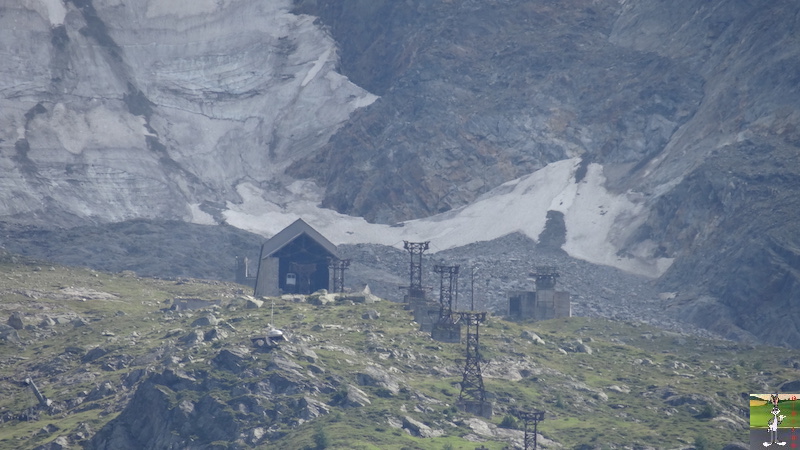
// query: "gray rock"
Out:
[416,428]
[316,369]
[312,408]
[94,354]
[194,337]
[48,429]
[214,334]
[307,354]
[355,398]
[15,321]
[620,389]
[281,362]
[375,376]
[790,386]
[531,336]
[9,334]
[256,435]
[321,298]
[252,303]
[583,348]
[206,320]
[104,390]
[133,377]
[59,443]
[233,360]
[370,314]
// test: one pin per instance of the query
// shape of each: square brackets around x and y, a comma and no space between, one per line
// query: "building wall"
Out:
[540,305]
[563,304]
[267,283]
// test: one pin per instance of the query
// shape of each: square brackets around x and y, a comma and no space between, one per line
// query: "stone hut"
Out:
[294,261]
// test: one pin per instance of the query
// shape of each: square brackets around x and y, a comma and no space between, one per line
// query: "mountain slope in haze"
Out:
[685,110]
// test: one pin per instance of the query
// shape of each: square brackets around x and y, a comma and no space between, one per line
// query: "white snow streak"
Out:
[323,58]
[53,10]
[597,221]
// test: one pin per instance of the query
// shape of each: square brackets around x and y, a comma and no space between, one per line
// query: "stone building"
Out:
[294,261]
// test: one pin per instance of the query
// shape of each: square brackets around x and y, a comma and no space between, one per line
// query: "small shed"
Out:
[294,261]
[542,304]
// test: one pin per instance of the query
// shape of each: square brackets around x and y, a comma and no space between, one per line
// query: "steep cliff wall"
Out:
[116,110]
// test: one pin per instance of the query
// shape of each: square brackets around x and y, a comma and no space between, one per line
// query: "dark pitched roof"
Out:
[289,233]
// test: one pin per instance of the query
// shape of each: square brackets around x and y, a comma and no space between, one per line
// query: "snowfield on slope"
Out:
[598,222]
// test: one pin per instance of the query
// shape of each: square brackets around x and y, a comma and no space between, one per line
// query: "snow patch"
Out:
[323,58]
[598,222]
[156,8]
[199,216]
[53,10]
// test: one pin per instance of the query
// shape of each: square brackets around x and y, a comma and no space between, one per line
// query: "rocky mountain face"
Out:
[145,109]
[693,104]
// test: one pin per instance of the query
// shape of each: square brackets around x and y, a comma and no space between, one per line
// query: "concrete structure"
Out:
[542,304]
[294,261]
[539,304]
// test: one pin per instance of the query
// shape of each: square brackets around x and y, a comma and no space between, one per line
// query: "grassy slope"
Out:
[653,366]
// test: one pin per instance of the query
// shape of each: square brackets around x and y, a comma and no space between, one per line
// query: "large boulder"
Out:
[375,376]
[355,398]
[233,360]
[15,321]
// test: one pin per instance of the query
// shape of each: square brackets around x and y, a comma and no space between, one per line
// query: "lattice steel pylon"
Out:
[337,267]
[528,417]
[415,249]
[448,291]
[472,382]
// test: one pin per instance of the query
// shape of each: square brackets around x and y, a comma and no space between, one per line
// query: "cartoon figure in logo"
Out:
[773,423]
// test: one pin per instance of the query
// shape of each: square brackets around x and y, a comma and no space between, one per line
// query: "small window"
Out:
[291,279]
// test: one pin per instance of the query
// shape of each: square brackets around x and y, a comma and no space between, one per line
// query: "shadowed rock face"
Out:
[691,103]
[486,92]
